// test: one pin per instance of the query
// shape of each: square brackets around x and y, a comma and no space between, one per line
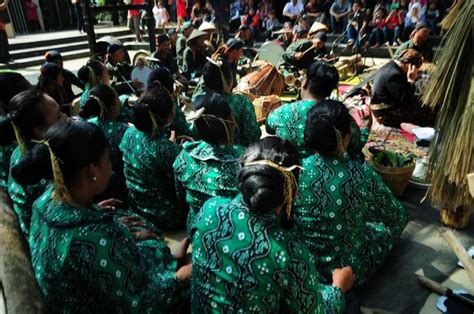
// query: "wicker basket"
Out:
[455,218]
[395,178]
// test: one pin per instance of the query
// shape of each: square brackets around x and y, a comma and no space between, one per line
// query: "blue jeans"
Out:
[353,34]
[341,24]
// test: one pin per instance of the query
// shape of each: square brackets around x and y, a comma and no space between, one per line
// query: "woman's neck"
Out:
[81,196]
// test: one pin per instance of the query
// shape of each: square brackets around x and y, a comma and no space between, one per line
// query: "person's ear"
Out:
[91,173]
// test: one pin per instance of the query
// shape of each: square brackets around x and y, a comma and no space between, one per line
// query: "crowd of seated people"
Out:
[370,23]
[268,219]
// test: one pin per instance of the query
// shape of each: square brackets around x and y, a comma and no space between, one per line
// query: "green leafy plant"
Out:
[388,158]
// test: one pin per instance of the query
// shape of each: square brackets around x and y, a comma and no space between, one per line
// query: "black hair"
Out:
[262,186]
[12,83]
[76,144]
[49,73]
[322,79]
[91,107]
[211,129]
[322,121]
[163,76]
[84,72]
[212,76]
[26,112]
[156,101]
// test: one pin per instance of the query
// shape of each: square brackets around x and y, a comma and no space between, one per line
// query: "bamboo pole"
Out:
[460,252]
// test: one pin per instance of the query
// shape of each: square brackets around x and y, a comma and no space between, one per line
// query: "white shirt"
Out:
[293,9]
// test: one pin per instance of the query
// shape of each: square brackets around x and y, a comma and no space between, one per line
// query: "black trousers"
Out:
[4,47]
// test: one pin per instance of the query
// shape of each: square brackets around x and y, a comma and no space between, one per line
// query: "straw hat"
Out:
[207,27]
[317,27]
[195,34]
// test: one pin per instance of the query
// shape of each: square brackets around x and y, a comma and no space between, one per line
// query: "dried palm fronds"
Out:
[451,86]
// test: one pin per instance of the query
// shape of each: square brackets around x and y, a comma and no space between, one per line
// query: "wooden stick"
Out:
[470,182]
[460,252]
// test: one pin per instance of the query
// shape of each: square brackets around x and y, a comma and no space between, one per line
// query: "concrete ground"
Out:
[421,251]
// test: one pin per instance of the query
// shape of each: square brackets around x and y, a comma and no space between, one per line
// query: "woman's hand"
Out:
[131,222]
[143,235]
[110,204]
[184,274]
[343,278]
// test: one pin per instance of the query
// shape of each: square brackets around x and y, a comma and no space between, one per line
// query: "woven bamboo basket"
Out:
[395,178]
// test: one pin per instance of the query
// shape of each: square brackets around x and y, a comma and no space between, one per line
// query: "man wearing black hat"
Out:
[186,31]
[418,41]
[163,53]
[120,72]
[304,51]
[234,51]
[70,78]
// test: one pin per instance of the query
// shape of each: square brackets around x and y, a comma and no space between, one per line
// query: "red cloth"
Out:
[31,11]
[380,23]
[135,12]
[392,22]
[181,8]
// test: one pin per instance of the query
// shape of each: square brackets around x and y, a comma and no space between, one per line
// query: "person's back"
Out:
[344,212]
[64,239]
[244,113]
[203,170]
[208,167]
[148,156]
[149,174]
[244,262]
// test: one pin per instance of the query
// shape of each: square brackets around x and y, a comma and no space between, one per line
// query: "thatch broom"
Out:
[451,86]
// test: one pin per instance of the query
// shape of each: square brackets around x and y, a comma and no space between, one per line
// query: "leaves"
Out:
[388,158]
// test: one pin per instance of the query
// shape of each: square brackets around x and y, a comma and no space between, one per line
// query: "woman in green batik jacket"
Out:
[344,212]
[288,121]
[208,167]
[102,108]
[148,156]
[93,73]
[162,77]
[83,260]
[244,259]
[218,78]
[31,113]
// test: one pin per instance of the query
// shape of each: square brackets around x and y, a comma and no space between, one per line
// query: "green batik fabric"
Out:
[23,196]
[5,155]
[245,262]
[247,130]
[346,215]
[289,121]
[148,170]
[114,132]
[203,170]
[85,262]
[85,95]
